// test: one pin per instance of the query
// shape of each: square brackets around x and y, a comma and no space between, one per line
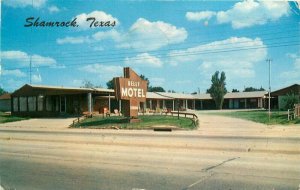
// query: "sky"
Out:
[178,45]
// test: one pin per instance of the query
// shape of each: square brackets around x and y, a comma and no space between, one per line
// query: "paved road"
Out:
[230,155]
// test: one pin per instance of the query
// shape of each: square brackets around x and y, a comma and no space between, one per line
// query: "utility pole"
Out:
[269,106]
[30,66]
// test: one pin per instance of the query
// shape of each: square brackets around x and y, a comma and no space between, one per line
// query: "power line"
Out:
[260,33]
[157,52]
[176,55]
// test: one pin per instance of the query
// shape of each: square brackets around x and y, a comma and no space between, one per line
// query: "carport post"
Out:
[173,106]
[89,97]
[194,104]
[109,102]
[186,104]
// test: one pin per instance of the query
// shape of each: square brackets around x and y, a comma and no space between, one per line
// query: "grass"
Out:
[146,122]
[261,116]
[4,118]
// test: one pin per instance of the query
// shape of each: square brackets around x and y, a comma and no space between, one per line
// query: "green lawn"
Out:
[146,122]
[4,118]
[277,117]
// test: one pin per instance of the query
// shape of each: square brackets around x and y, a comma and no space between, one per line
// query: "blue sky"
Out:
[177,45]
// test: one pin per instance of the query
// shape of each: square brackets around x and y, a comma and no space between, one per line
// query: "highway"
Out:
[209,158]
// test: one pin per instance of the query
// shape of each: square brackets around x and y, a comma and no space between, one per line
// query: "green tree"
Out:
[235,90]
[252,89]
[89,84]
[156,89]
[143,77]
[217,89]
[2,91]
[110,84]
[290,100]
[171,91]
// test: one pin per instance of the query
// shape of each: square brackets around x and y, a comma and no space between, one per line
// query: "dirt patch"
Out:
[48,123]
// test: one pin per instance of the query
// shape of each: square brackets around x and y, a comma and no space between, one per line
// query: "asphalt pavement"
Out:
[229,156]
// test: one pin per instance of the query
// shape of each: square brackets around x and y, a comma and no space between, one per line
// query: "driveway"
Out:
[210,124]
[48,123]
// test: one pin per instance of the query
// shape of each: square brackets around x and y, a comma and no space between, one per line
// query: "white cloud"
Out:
[249,13]
[22,58]
[24,3]
[236,64]
[98,36]
[198,16]
[73,40]
[105,72]
[13,55]
[143,60]
[294,73]
[157,81]
[111,34]
[77,82]
[53,9]
[148,36]
[15,72]
[36,78]
[99,16]
[246,13]
[143,34]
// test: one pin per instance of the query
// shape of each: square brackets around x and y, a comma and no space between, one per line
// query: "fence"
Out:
[194,117]
[178,114]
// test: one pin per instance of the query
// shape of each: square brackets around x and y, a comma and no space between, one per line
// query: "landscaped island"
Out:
[147,122]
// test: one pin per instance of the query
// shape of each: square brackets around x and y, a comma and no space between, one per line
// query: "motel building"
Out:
[53,101]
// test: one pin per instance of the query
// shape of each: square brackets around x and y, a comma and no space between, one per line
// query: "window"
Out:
[32,103]
[48,104]
[40,103]
[63,104]
[15,104]
[23,104]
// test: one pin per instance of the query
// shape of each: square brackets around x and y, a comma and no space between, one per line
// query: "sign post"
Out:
[131,89]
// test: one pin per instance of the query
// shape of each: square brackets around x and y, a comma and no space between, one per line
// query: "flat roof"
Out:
[234,95]
[155,95]
[176,95]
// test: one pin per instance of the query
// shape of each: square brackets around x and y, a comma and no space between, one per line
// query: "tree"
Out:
[110,84]
[217,89]
[235,90]
[156,89]
[252,89]
[2,91]
[143,77]
[171,91]
[89,84]
[290,100]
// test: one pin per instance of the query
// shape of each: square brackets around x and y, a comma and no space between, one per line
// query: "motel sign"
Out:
[131,90]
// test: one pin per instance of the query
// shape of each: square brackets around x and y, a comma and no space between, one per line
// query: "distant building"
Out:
[281,94]
[233,100]
[5,102]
